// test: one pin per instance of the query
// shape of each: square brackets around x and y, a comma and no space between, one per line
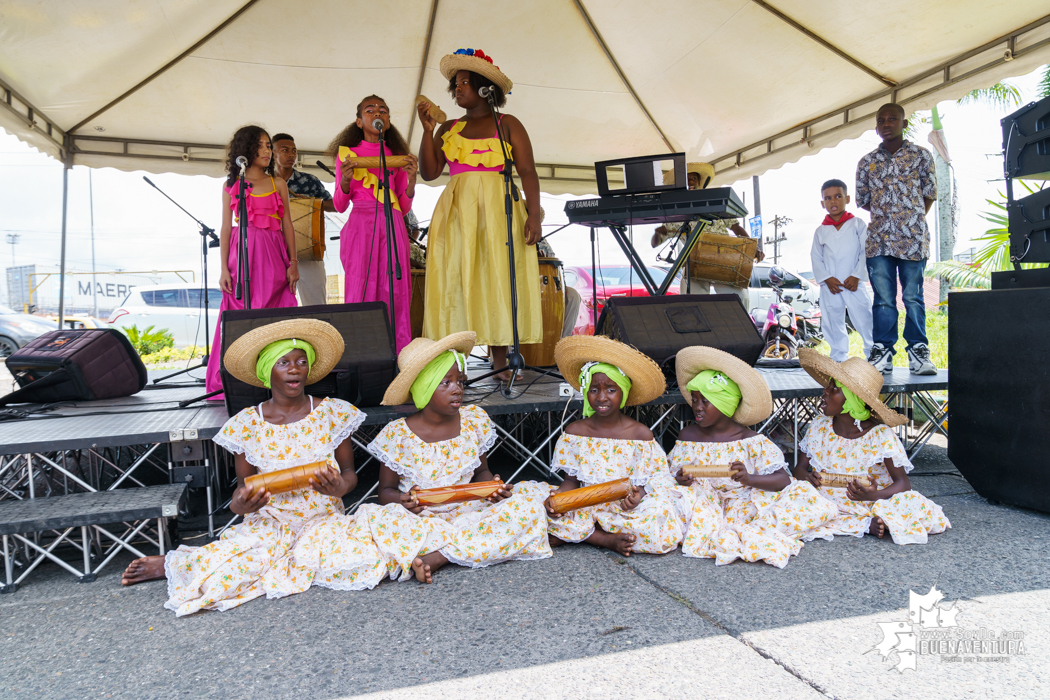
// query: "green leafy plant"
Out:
[172,356]
[148,341]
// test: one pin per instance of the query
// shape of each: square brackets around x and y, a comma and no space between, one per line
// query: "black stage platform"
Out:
[152,416]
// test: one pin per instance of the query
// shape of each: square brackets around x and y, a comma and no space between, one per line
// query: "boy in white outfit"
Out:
[839,267]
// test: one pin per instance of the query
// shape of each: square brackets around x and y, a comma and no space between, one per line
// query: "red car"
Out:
[613,281]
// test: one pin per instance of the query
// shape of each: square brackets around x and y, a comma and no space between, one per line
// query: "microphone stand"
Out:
[244,275]
[208,240]
[393,262]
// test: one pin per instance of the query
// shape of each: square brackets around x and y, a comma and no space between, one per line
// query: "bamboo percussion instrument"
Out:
[840,481]
[708,471]
[442,495]
[591,495]
[285,480]
[435,112]
[373,161]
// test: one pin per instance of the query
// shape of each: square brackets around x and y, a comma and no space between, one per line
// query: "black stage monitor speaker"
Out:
[999,393]
[75,365]
[367,367]
[1026,141]
[1030,227]
[661,326]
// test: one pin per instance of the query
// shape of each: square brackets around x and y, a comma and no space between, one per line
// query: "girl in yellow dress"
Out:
[287,541]
[468,271]
[760,513]
[445,444]
[855,437]
[607,445]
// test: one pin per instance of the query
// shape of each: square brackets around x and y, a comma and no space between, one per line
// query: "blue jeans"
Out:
[883,271]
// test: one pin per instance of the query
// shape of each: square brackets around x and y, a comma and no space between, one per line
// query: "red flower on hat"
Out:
[481,54]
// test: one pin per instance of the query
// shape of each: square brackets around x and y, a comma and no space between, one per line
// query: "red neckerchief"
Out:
[828,221]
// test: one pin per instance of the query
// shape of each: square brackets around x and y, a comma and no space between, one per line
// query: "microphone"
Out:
[328,170]
[243,162]
[150,182]
[485,91]
[377,124]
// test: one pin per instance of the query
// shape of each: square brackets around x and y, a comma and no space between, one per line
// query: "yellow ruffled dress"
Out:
[468,273]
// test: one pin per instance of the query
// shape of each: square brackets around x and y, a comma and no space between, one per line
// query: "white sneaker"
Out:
[919,360]
[881,358]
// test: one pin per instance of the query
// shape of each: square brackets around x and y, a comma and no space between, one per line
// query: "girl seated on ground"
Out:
[287,541]
[445,444]
[760,513]
[607,445]
[848,439]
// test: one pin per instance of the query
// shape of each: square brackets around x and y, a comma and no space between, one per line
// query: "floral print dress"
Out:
[725,521]
[655,523]
[909,516]
[474,533]
[298,539]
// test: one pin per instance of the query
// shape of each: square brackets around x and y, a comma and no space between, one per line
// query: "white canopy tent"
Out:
[161,85]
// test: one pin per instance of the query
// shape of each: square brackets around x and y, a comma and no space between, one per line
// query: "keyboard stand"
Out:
[619,232]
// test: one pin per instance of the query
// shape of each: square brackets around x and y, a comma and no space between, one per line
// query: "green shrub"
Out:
[172,356]
[148,341]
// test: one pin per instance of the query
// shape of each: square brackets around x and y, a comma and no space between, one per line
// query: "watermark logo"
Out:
[932,631]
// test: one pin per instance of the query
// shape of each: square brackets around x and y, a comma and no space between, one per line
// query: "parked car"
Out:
[177,308]
[17,329]
[79,322]
[613,280]
[803,293]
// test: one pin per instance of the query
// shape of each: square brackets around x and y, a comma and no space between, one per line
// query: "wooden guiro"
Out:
[591,495]
[285,480]
[475,491]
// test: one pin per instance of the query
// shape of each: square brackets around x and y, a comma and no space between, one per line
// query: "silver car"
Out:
[17,329]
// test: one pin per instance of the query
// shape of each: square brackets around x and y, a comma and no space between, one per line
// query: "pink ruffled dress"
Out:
[363,243]
[268,257]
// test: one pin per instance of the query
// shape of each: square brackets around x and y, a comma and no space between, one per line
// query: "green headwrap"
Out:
[274,351]
[612,372]
[427,381]
[717,388]
[856,408]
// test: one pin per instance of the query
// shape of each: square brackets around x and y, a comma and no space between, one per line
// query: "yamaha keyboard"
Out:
[658,208]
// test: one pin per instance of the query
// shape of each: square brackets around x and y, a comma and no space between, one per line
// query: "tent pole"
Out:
[67,162]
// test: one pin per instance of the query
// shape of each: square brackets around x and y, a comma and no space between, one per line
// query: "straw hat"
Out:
[476,61]
[573,352]
[416,356]
[756,403]
[243,356]
[857,375]
[706,171]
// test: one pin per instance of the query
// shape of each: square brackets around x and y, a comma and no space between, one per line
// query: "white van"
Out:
[177,308]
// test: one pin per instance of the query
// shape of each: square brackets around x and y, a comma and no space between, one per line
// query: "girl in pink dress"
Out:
[363,240]
[271,238]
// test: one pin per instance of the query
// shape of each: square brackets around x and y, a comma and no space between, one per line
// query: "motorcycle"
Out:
[780,329]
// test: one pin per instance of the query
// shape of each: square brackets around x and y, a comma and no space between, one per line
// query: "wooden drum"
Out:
[308,222]
[419,291]
[723,259]
[552,301]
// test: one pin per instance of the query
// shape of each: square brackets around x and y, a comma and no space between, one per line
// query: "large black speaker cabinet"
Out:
[366,369]
[661,326]
[999,393]
[1026,141]
[1029,219]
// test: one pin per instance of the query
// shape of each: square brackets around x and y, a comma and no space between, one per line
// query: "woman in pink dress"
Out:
[363,240]
[271,238]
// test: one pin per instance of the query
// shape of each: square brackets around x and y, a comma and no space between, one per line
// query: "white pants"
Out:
[313,284]
[833,308]
[698,286]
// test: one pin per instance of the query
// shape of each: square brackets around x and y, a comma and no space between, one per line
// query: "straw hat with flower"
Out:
[705,171]
[242,356]
[857,375]
[572,353]
[475,61]
[756,403]
[416,356]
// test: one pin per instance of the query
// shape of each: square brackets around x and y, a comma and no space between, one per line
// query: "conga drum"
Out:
[723,259]
[552,302]
[308,222]
[419,290]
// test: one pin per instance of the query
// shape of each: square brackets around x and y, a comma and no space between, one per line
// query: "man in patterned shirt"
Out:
[312,280]
[896,183]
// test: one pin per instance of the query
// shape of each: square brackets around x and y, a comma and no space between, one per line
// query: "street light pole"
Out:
[94,284]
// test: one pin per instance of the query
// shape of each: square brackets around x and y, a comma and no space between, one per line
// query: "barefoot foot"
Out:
[620,542]
[877,528]
[144,569]
[425,566]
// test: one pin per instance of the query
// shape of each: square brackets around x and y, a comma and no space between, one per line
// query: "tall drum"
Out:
[308,221]
[552,302]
